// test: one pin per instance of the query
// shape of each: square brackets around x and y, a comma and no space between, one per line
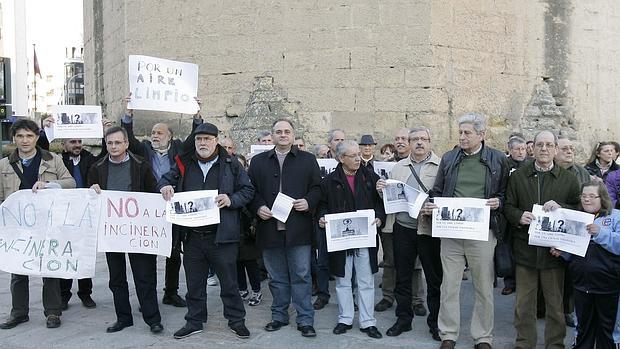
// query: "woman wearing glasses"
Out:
[596,277]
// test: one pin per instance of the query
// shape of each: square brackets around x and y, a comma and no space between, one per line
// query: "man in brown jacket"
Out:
[30,167]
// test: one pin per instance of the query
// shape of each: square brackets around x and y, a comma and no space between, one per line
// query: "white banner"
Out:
[327,166]
[193,208]
[561,228]
[76,121]
[461,218]
[350,230]
[400,197]
[383,168]
[51,233]
[162,84]
[134,222]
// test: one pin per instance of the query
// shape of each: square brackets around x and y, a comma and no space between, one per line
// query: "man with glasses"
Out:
[471,170]
[121,170]
[287,245]
[412,236]
[542,182]
[214,246]
[565,158]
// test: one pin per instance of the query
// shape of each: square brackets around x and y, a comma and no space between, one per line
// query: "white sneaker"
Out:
[245,295]
[212,281]
[255,298]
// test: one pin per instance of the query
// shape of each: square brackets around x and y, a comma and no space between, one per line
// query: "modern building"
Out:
[74,77]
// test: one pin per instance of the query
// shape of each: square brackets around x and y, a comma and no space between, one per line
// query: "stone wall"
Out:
[371,66]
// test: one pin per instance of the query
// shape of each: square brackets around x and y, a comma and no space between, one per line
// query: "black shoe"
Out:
[435,334]
[447,344]
[398,328]
[88,302]
[274,326]
[53,321]
[240,330]
[14,321]
[372,332]
[64,306]
[419,310]
[341,328]
[383,305]
[186,332]
[174,300]
[320,303]
[156,327]
[355,307]
[118,326]
[307,331]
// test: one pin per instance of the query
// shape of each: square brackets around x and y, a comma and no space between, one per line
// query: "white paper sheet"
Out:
[461,218]
[76,121]
[193,208]
[350,230]
[282,207]
[400,197]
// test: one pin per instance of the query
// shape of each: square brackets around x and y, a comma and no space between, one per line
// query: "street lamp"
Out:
[67,82]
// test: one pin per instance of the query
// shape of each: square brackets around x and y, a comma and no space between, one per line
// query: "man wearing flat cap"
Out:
[209,167]
[367,147]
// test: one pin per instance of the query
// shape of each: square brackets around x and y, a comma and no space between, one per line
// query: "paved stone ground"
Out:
[85,328]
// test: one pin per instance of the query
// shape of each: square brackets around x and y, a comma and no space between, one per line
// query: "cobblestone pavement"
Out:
[85,328]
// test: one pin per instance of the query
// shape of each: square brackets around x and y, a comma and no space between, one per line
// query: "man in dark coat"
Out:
[349,188]
[123,171]
[215,246]
[160,151]
[287,246]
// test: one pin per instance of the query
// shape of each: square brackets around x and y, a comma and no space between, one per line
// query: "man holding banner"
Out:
[541,182]
[161,151]
[472,170]
[31,167]
[123,171]
[210,167]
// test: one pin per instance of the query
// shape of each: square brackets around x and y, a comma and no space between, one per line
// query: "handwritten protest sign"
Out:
[77,121]
[162,84]
[134,222]
[48,234]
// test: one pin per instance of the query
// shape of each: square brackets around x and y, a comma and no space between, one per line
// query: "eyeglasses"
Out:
[589,196]
[544,145]
[423,139]
[114,143]
[571,148]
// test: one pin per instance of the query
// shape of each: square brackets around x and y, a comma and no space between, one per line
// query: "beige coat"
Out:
[52,169]
[402,172]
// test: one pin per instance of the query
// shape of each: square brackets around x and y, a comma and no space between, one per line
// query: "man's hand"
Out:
[96,188]
[300,205]
[527,218]
[126,100]
[493,203]
[197,115]
[167,192]
[428,208]
[550,206]
[107,123]
[38,185]
[264,213]
[322,222]
[222,200]
[377,222]
[381,184]
[555,252]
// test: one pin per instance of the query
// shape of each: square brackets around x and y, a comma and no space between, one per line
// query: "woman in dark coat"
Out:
[349,188]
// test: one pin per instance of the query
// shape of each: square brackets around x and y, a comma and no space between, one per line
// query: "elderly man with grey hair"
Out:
[471,170]
[334,137]
[264,137]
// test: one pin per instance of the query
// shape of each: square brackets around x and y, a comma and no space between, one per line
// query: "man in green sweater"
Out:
[544,183]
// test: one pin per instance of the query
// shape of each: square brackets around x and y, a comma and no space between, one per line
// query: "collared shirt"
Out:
[206,166]
[539,168]
[474,152]
[118,162]
[75,159]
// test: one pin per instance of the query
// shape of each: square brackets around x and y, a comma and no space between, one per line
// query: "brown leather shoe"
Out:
[483,346]
[447,344]
[507,290]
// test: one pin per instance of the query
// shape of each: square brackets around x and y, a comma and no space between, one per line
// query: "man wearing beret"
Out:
[209,167]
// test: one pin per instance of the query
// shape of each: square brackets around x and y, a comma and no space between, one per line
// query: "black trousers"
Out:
[251,267]
[20,296]
[201,252]
[596,318]
[85,288]
[144,269]
[408,245]
[173,266]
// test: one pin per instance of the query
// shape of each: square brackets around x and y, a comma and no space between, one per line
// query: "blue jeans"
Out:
[290,279]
